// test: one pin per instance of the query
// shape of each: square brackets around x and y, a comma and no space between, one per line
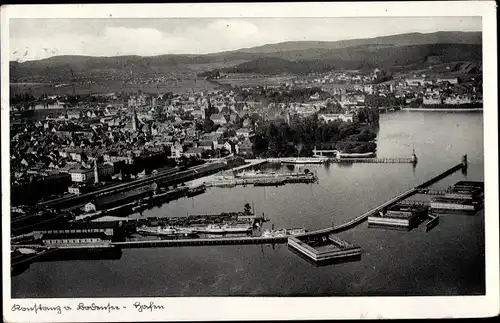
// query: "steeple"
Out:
[134,119]
[96,172]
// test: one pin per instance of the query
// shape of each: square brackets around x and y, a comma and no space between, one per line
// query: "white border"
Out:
[243,308]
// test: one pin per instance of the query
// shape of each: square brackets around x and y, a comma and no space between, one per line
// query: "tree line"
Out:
[280,139]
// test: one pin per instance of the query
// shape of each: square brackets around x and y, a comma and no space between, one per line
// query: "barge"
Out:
[401,215]
[464,197]
[453,205]
[324,248]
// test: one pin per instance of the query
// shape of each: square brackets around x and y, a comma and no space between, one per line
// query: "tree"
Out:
[208,125]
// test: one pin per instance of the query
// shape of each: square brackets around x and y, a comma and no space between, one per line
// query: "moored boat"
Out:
[223,229]
[283,232]
[166,231]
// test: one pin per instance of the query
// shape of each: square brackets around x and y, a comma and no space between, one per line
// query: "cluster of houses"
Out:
[441,91]
[353,77]
[430,90]
[88,145]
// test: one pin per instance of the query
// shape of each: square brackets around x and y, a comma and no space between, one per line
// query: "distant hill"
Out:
[360,57]
[66,67]
[441,37]
[294,57]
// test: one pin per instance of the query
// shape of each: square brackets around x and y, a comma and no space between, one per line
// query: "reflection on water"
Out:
[448,260]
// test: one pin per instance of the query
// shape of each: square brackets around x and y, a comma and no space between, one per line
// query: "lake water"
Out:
[448,260]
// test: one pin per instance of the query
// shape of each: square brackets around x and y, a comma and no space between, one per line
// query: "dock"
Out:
[327,249]
[263,180]
[298,160]
[200,242]
[251,164]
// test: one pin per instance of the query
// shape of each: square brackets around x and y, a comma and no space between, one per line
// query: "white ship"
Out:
[166,231]
[223,229]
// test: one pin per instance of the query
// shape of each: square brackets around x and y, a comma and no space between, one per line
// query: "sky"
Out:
[41,38]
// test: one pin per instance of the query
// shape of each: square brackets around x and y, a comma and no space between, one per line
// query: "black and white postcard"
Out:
[249,161]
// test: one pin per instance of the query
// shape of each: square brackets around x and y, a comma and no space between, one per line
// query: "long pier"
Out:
[251,164]
[200,242]
[322,159]
[389,203]
[373,160]
[443,175]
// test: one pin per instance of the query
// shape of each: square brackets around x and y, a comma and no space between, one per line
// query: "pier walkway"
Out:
[392,201]
[251,163]
[200,242]
[374,160]
[322,159]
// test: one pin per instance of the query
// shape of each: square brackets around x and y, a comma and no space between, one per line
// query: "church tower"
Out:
[96,172]
[203,112]
[134,119]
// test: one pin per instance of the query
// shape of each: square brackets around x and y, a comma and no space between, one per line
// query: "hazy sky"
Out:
[41,38]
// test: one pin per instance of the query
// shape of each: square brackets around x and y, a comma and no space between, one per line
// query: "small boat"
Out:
[274,233]
[283,232]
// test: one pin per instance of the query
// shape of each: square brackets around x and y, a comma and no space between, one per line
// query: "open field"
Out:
[255,80]
[181,86]
[213,66]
